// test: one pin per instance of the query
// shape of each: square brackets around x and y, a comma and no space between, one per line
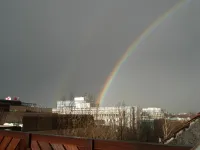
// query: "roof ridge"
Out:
[182,128]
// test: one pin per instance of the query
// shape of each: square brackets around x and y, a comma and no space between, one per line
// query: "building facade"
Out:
[152,113]
[127,115]
[13,111]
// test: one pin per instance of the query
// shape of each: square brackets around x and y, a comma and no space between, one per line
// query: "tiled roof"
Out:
[184,127]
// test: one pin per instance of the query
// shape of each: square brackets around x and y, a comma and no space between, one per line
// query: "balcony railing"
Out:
[22,141]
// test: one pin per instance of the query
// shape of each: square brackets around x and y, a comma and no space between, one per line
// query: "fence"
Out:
[24,141]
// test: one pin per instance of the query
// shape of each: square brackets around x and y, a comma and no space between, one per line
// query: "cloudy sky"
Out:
[50,48]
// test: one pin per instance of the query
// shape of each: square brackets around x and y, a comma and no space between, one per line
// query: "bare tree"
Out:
[71,105]
[166,128]
[89,98]
[170,126]
[63,98]
[71,96]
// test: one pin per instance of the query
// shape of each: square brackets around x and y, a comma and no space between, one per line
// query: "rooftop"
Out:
[186,127]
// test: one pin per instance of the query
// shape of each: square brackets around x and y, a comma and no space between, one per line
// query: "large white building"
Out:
[152,113]
[77,103]
[127,115]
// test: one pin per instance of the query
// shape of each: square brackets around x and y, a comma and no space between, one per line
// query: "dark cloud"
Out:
[48,49]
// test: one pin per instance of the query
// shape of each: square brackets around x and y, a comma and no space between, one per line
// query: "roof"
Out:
[11,102]
[181,129]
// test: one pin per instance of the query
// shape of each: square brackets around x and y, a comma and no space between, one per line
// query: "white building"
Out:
[152,113]
[77,103]
[127,115]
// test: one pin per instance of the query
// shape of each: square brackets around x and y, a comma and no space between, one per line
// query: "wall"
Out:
[29,109]
[18,108]
[16,117]
[13,117]
[54,121]
[38,121]
[3,109]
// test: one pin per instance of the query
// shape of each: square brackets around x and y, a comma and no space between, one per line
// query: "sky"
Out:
[51,48]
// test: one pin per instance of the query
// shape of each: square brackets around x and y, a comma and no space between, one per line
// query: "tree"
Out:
[90,98]
[121,104]
[122,125]
[166,128]
[92,101]
[71,96]
[63,98]
[145,131]
[169,126]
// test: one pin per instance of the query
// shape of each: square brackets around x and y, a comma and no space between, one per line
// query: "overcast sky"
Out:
[50,48]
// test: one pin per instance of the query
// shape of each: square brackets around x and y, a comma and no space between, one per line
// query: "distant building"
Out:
[77,103]
[152,113]
[127,115]
[182,116]
[13,111]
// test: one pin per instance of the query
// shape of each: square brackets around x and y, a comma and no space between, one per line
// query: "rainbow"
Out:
[135,44]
